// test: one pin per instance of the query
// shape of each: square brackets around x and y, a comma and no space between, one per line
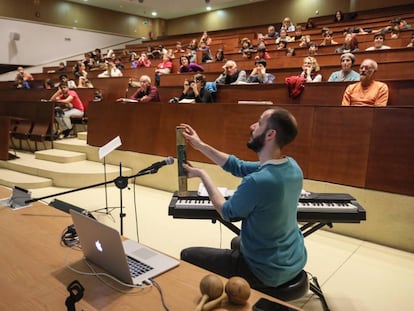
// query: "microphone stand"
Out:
[121,182]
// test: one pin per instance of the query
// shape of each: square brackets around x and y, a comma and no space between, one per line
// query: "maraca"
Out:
[211,287]
[237,290]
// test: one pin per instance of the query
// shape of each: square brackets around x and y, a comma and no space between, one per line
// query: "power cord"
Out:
[69,237]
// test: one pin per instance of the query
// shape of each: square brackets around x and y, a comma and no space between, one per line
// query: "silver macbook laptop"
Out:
[129,261]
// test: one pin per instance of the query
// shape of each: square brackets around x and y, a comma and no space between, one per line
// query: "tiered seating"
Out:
[394,66]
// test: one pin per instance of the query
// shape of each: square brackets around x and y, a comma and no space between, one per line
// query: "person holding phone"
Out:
[195,90]
[270,250]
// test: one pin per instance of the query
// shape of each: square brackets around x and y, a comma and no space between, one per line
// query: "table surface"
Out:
[34,275]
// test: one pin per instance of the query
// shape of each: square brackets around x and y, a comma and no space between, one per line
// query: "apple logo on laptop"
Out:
[98,246]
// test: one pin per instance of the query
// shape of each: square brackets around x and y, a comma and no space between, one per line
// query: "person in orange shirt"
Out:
[366,92]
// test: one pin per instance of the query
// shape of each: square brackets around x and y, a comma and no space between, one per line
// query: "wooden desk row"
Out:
[34,277]
[321,93]
[346,145]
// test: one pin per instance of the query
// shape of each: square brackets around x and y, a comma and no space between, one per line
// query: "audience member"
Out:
[68,104]
[310,24]
[191,53]
[396,23]
[193,44]
[313,49]
[350,44]
[143,60]
[205,38]
[89,61]
[367,92]
[281,45]
[163,68]
[159,52]
[378,43]
[146,92]
[22,78]
[178,48]
[186,66]
[171,53]
[346,73]
[82,75]
[271,32]
[283,36]
[246,48]
[298,34]
[231,75]
[118,63]
[206,56]
[48,84]
[327,38]
[110,71]
[270,250]
[305,41]
[61,68]
[339,17]
[259,74]
[65,79]
[262,53]
[411,44]
[290,52]
[395,32]
[287,25]
[310,70]
[195,90]
[98,57]
[220,56]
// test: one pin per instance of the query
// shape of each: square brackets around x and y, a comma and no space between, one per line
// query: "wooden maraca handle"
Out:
[214,303]
[200,305]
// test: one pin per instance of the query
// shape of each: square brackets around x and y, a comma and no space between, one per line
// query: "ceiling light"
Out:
[208,8]
[154,13]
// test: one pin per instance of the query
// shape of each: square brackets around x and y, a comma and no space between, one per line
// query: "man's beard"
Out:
[256,144]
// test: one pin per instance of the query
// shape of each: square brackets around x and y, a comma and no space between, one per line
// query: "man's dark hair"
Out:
[285,125]
[63,84]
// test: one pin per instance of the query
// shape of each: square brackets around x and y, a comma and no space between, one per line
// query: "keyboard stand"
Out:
[311,227]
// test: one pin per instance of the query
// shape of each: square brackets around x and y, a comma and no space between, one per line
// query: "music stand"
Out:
[102,153]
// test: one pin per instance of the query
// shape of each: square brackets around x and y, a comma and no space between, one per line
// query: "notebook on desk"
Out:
[129,261]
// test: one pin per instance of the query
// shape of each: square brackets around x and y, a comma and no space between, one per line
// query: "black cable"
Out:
[69,237]
[157,286]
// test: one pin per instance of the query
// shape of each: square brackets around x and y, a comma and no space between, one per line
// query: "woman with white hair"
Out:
[346,73]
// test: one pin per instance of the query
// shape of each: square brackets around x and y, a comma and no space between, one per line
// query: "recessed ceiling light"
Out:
[208,8]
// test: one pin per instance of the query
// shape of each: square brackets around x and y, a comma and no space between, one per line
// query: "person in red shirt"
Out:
[165,67]
[147,92]
[68,104]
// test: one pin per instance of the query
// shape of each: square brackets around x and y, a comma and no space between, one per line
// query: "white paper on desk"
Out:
[202,191]
[109,147]
[187,101]
[127,100]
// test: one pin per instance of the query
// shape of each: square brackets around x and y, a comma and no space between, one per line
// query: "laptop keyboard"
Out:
[137,267]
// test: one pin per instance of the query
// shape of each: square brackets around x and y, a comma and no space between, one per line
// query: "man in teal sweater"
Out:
[272,250]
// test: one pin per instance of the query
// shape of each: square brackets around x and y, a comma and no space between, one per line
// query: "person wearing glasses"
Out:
[231,75]
[146,92]
[366,92]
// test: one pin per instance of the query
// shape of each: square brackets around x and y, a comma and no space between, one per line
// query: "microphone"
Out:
[157,165]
